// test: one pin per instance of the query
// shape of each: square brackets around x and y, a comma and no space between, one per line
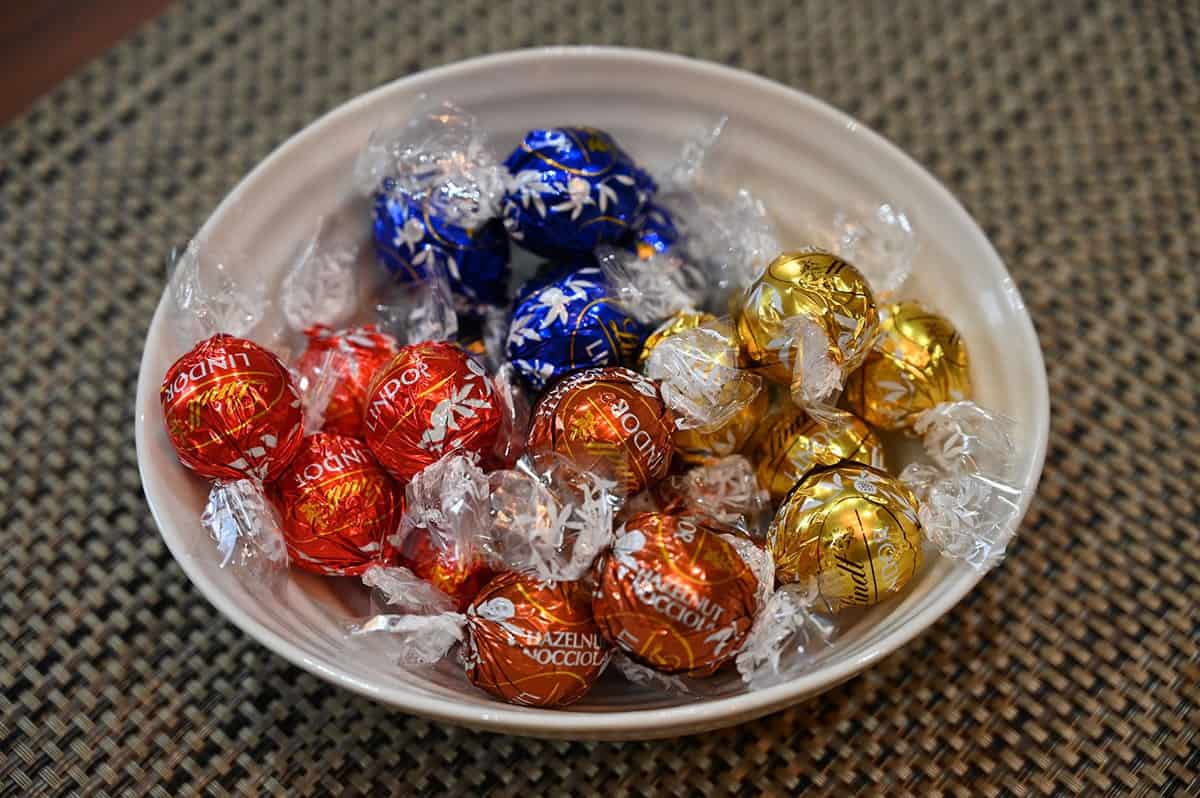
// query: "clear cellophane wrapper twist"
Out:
[699,374]
[247,532]
[724,241]
[816,375]
[317,384]
[418,311]
[726,490]
[448,501]
[551,523]
[650,288]
[730,238]
[322,285]
[878,239]
[210,294]
[440,157]
[517,410]
[416,639]
[968,499]
[793,627]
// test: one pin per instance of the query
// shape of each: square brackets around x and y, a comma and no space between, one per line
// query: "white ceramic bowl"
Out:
[800,156]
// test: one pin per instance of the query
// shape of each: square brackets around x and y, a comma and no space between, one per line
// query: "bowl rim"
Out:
[617,724]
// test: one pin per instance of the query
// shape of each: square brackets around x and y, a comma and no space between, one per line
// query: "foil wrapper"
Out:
[918,362]
[430,400]
[807,322]
[339,508]
[654,232]
[353,355]
[612,422]
[572,190]
[675,595]
[850,529]
[796,444]
[567,322]
[696,359]
[410,237]
[232,410]
[533,643]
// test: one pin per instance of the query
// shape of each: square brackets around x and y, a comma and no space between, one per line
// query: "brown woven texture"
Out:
[1069,129]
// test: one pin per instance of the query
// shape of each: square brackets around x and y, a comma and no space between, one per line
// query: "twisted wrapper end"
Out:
[418,639]
[969,501]
[439,156]
[322,285]
[816,374]
[210,294]
[649,289]
[449,499]
[248,533]
[791,630]
[639,674]
[699,378]
[551,524]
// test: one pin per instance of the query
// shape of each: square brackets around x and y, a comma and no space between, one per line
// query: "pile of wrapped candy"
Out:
[659,448]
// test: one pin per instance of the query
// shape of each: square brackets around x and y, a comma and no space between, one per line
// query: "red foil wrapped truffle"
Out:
[441,568]
[534,643]
[340,509]
[612,421]
[674,595]
[431,399]
[358,354]
[232,410]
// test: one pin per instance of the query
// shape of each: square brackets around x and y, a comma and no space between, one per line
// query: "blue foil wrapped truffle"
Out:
[653,233]
[409,236]
[570,322]
[573,188]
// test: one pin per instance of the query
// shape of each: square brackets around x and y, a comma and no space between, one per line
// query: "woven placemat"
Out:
[1069,129]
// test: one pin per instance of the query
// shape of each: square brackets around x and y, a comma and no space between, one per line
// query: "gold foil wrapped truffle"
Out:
[795,444]
[851,528]
[807,291]
[918,362]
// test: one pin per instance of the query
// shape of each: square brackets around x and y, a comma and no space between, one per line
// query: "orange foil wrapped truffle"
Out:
[232,410]
[608,420]
[430,400]
[356,355]
[339,508]
[534,643]
[675,595]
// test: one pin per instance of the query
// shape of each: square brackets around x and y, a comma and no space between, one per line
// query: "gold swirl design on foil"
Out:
[818,286]
[795,444]
[853,529]
[919,361]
